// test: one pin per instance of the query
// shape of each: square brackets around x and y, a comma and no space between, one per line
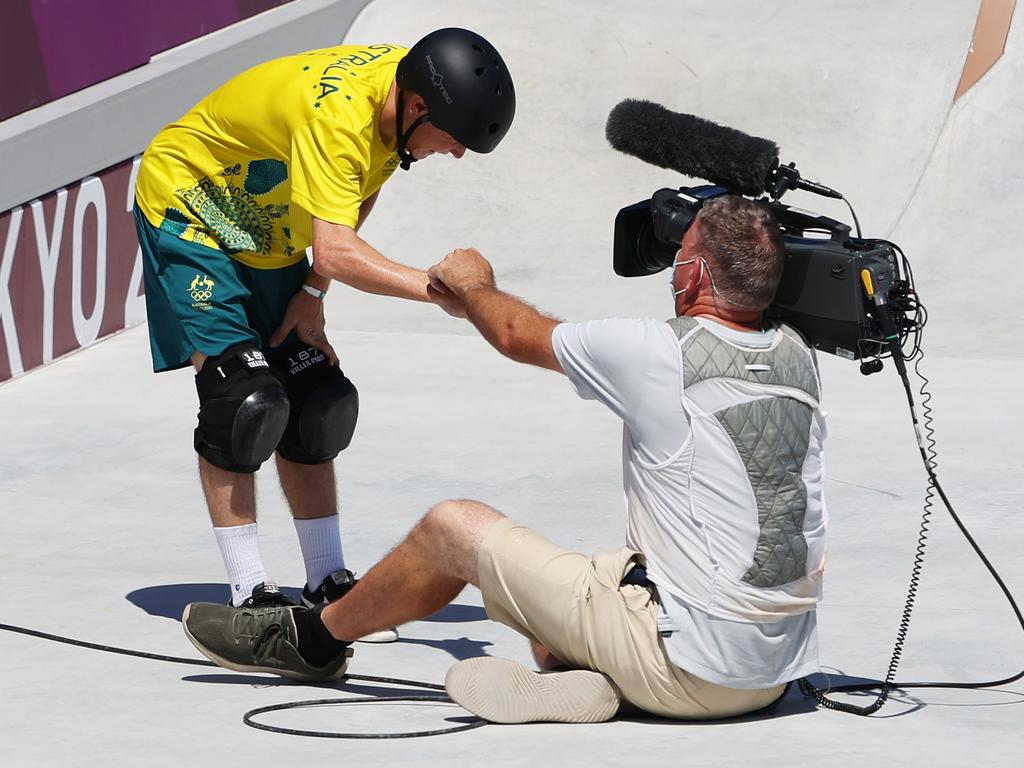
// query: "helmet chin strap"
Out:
[403,136]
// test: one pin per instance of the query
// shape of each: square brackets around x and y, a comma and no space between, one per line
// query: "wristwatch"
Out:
[313,291]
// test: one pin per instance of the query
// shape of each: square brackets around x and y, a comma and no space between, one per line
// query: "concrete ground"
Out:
[105,536]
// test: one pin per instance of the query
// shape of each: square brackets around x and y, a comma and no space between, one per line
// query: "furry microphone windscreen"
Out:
[691,145]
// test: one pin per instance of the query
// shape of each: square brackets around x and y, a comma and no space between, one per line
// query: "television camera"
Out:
[849,296]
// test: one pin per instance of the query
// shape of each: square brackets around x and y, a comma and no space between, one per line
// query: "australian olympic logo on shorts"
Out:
[201,290]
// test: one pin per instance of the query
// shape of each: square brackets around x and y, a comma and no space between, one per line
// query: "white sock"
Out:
[320,541]
[240,549]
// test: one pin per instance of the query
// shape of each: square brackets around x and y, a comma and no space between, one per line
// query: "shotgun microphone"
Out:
[694,146]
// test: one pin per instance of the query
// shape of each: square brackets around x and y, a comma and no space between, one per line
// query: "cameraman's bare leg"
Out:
[231,500]
[426,572]
[418,577]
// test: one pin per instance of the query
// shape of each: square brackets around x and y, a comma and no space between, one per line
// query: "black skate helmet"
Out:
[465,85]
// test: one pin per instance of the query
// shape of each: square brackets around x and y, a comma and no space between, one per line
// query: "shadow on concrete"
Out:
[827,682]
[458,648]
[169,601]
[337,686]
[913,698]
[457,612]
[791,703]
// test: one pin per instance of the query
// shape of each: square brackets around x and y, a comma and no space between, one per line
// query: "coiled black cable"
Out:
[248,717]
[926,445]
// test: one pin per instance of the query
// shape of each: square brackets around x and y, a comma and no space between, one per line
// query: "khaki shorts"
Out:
[577,608]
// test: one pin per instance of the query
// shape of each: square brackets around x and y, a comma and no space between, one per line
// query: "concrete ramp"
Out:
[963,224]
[856,96]
[104,531]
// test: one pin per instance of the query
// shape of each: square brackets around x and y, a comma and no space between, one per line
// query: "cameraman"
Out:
[709,611]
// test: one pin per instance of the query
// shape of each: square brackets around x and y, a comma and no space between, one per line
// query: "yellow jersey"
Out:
[247,168]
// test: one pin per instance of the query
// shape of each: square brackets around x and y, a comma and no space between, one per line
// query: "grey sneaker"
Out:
[255,640]
[504,691]
[336,586]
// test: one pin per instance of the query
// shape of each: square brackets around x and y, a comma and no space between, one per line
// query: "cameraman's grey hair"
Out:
[742,243]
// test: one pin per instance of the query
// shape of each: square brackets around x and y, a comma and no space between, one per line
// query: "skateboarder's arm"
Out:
[339,253]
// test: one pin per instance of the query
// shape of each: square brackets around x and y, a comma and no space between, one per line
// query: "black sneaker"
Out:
[334,587]
[267,595]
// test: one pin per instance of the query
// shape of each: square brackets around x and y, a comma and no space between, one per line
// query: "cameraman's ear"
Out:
[696,278]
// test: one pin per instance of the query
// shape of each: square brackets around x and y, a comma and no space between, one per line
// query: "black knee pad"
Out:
[325,405]
[243,409]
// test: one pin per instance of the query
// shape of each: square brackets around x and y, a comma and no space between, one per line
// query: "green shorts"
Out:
[199,299]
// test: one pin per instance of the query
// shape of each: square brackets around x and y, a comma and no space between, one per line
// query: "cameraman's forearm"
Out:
[512,326]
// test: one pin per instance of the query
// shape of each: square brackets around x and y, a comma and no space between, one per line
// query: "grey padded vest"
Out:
[771,436]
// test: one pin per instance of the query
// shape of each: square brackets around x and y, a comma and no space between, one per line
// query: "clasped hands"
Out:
[461,271]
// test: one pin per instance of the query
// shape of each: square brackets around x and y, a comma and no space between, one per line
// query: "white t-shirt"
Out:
[634,367]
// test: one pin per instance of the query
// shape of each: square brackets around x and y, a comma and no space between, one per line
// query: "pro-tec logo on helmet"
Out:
[438,80]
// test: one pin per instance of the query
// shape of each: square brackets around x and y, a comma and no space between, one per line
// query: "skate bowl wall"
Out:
[859,96]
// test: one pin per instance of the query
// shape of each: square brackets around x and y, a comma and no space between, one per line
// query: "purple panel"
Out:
[172,24]
[247,8]
[86,41]
[195,18]
[60,46]
[23,83]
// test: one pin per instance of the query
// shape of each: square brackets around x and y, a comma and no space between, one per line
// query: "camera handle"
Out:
[796,220]
[782,178]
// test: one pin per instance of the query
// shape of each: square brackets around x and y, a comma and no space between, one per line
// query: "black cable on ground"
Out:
[926,446]
[105,648]
[248,717]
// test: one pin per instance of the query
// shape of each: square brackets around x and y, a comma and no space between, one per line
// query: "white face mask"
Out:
[677,263]
[703,268]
